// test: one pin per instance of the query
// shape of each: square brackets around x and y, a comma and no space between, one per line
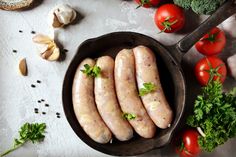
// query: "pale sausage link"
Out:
[107,103]
[85,108]
[127,94]
[154,102]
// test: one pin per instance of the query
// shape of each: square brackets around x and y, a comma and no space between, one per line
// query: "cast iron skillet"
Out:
[171,76]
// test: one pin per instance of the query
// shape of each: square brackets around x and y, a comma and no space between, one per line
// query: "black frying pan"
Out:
[171,76]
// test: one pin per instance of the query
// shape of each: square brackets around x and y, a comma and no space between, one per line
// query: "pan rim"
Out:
[67,112]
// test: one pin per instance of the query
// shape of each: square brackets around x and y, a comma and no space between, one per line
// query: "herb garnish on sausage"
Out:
[147,88]
[91,71]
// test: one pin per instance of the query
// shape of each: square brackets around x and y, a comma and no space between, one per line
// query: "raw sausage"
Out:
[154,102]
[84,105]
[127,94]
[107,103]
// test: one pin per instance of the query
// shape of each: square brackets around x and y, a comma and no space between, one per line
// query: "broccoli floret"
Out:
[186,4]
[206,7]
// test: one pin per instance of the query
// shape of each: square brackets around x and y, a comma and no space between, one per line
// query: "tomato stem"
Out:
[213,71]
[212,37]
[167,24]
[181,145]
[143,2]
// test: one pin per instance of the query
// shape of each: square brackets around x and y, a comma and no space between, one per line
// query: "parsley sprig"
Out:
[91,71]
[28,132]
[147,88]
[215,114]
[128,116]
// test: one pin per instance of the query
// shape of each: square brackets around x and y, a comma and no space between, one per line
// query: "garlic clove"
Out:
[55,55]
[49,50]
[56,23]
[46,54]
[42,39]
[22,67]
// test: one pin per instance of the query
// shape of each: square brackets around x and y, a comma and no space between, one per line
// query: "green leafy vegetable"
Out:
[206,7]
[91,71]
[28,132]
[215,114]
[129,116]
[147,88]
[186,4]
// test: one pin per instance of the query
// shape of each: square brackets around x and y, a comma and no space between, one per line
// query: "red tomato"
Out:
[212,43]
[147,3]
[169,18]
[189,146]
[210,68]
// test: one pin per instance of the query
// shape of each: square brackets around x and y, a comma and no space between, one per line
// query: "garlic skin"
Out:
[61,15]
[229,26]
[231,61]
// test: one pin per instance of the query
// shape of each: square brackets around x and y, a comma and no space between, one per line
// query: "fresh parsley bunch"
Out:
[28,132]
[215,114]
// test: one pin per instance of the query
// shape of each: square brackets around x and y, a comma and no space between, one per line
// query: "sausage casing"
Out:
[154,102]
[84,105]
[127,94]
[107,103]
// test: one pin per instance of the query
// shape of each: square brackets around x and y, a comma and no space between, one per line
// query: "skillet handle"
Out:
[225,11]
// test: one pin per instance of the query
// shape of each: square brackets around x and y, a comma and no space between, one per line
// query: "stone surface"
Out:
[18,98]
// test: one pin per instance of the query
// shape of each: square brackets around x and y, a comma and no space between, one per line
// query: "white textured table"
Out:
[18,98]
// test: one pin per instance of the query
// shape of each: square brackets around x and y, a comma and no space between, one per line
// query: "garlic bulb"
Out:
[61,15]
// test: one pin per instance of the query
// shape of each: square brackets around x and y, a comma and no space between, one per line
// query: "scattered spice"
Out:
[33,86]
[38,81]
[33,32]
[65,50]
[39,101]
[43,112]
[36,110]
[20,31]
[14,51]
[42,100]
[46,105]
[58,117]
[57,113]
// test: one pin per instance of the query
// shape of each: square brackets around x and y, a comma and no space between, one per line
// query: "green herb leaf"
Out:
[147,88]
[129,116]
[215,114]
[28,132]
[91,71]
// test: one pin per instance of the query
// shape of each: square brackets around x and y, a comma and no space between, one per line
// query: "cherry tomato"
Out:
[147,3]
[169,18]
[212,43]
[210,68]
[188,144]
